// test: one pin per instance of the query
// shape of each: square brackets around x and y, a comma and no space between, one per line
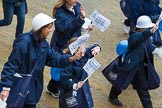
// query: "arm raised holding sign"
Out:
[69,15]
[73,75]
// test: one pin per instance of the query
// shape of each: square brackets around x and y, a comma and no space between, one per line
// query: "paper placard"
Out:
[82,40]
[91,66]
[99,21]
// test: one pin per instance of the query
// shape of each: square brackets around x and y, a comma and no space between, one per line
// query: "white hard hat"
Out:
[144,22]
[41,20]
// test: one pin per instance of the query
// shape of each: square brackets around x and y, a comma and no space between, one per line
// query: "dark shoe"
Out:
[56,94]
[116,102]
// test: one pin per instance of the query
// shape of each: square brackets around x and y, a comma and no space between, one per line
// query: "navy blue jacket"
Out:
[150,8]
[76,73]
[136,43]
[26,51]
[136,11]
[67,25]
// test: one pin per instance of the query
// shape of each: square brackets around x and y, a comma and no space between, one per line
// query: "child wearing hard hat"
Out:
[140,42]
[30,53]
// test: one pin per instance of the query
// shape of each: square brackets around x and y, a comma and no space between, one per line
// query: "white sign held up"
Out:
[98,20]
[90,67]
[82,40]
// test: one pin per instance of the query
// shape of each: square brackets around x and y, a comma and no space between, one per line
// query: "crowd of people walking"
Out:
[31,53]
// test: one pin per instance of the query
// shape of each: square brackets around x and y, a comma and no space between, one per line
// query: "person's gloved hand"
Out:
[158,52]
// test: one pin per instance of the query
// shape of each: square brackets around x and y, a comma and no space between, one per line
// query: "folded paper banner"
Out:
[90,67]
[99,21]
[82,40]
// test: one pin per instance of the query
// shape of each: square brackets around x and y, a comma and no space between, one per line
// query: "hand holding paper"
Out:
[96,50]
[77,55]
[82,40]
[78,85]
[4,94]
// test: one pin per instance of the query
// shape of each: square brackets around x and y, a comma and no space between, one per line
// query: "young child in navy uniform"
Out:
[72,77]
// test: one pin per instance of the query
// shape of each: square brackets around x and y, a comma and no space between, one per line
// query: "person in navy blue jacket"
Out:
[125,8]
[28,49]
[72,77]
[17,7]
[69,16]
[150,8]
[136,43]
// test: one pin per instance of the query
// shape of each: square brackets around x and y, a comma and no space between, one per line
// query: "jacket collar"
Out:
[75,10]
[43,43]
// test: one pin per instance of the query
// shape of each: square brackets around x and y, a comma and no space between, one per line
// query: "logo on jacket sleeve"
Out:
[112,76]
